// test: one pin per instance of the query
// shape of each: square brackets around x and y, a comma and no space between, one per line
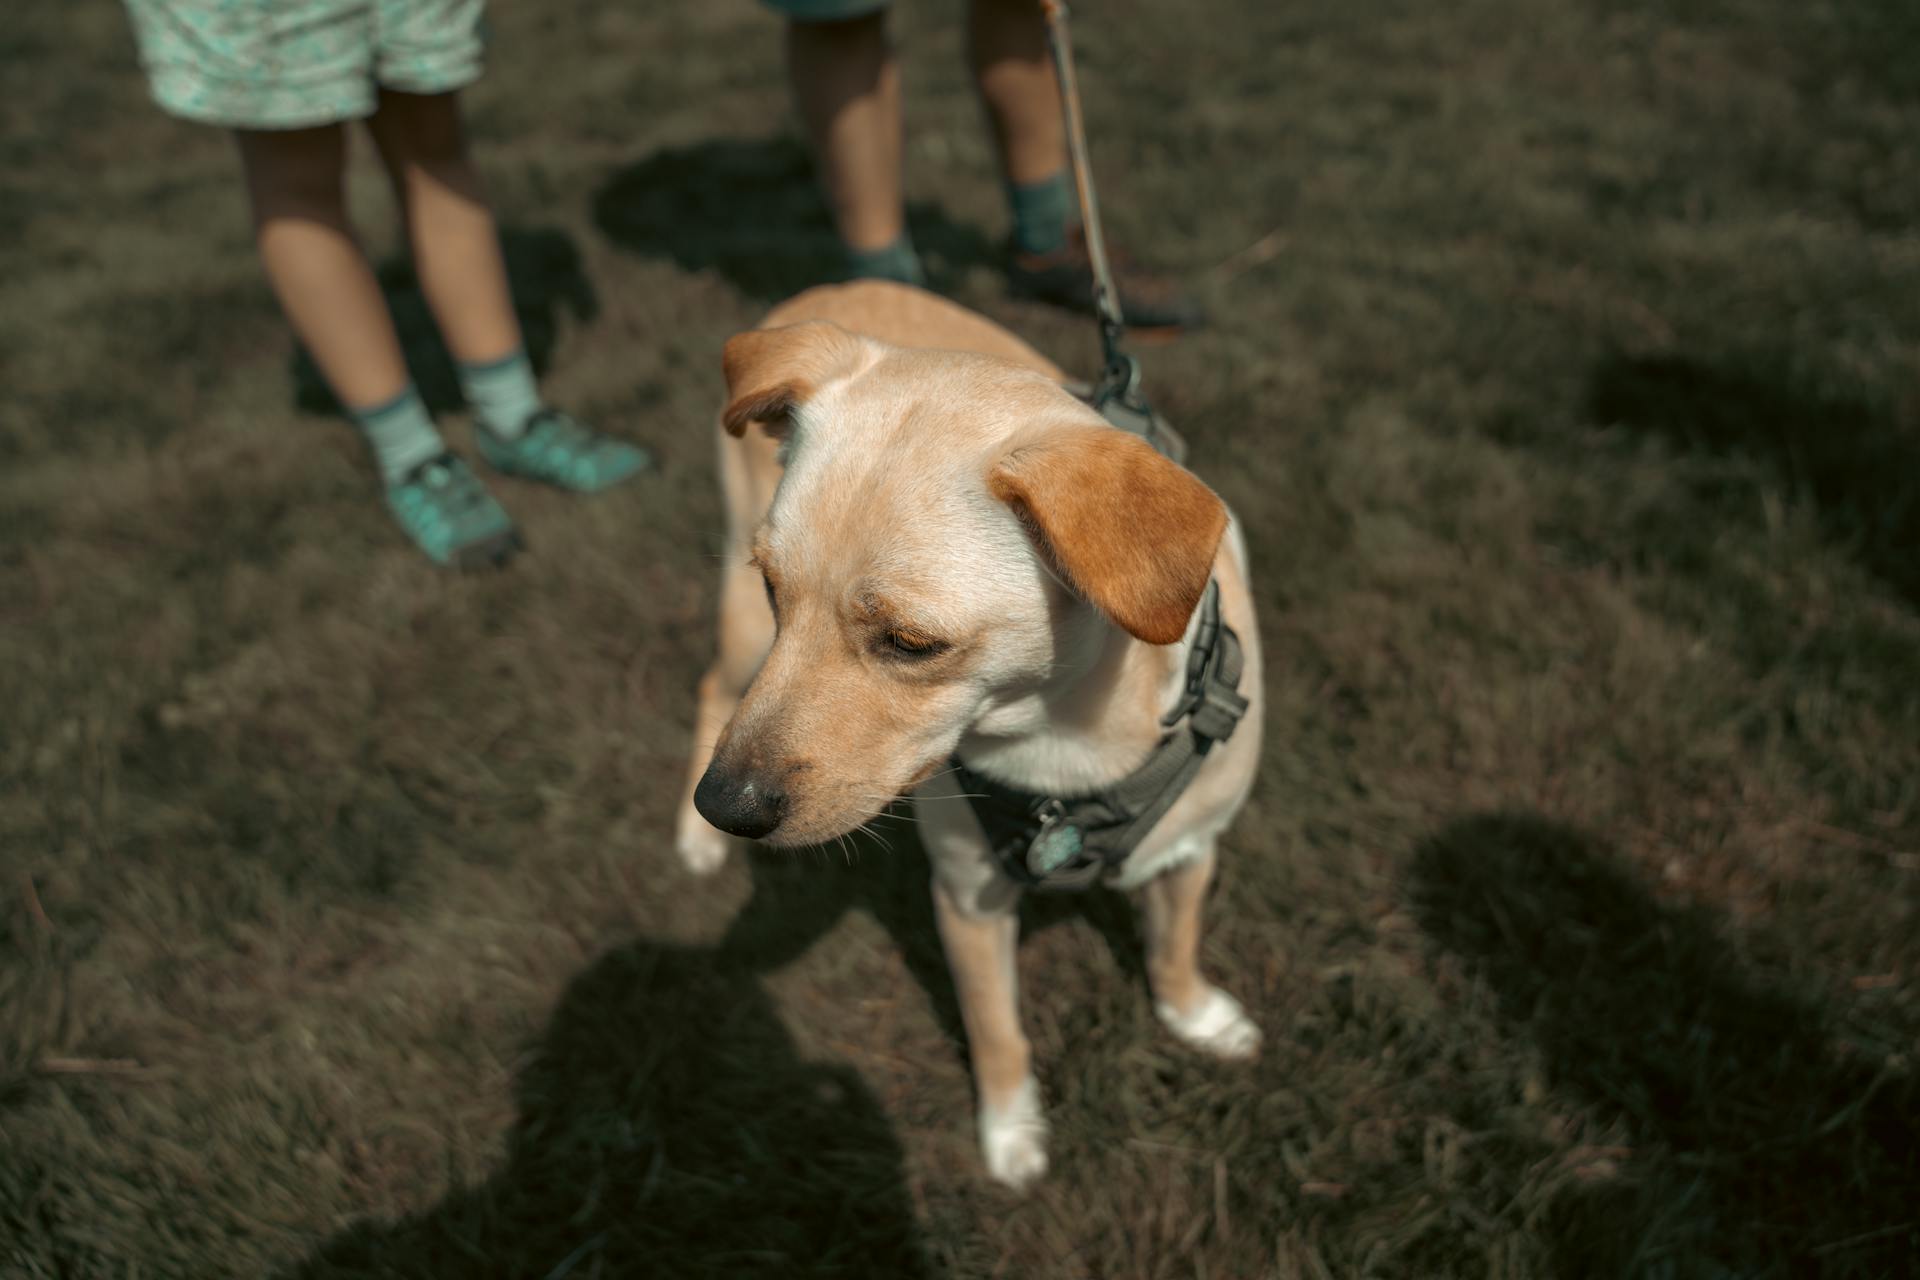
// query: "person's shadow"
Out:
[667,1127]
[750,210]
[1859,461]
[547,277]
[1760,1148]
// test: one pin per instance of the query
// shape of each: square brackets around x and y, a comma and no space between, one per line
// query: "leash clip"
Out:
[1120,380]
[1117,398]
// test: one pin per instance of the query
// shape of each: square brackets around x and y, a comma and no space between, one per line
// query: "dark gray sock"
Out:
[897,261]
[1043,213]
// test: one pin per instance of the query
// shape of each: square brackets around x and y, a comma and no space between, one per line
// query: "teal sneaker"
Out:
[557,450]
[450,515]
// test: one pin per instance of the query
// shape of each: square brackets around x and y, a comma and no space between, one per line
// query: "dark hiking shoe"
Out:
[1151,303]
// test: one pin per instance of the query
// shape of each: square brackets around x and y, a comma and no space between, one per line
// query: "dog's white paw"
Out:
[1013,1137]
[703,848]
[1217,1025]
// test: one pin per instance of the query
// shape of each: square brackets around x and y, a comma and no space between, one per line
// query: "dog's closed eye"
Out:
[912,646]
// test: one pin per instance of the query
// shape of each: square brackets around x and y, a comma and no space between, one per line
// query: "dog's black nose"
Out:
[746,804]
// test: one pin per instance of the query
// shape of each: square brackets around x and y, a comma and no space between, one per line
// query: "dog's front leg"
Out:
[1192,1008]
[980,952]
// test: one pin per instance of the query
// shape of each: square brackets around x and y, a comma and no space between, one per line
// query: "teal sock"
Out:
[1042,213]
[897,261]
[401,432]
[502,393]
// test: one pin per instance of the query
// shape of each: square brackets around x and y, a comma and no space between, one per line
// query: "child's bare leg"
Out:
[456,254]
[1007,49]
[456,247]
[296,181]
[1013,70]
[846,82]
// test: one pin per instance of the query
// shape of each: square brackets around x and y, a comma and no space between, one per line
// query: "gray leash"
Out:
[1106,298]
[1117,395]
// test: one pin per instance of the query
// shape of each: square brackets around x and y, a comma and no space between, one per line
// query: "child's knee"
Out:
[299,171]
[439,153]
[422,132]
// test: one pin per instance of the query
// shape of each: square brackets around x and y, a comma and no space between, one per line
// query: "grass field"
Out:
[1567,379]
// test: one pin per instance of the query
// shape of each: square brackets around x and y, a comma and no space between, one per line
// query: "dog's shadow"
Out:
[668,1127]
[750,210]
[549,283]
[799,898]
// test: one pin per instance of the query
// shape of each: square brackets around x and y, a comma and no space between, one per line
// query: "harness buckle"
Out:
[1219,712]
[1199,661]
[1117,398]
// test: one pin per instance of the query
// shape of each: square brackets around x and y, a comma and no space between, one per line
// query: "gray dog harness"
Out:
[1068,842]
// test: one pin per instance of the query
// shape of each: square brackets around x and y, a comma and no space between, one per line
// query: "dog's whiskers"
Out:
[867,829]
[877,814]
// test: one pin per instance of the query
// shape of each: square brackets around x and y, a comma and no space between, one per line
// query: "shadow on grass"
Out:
[547,277]
[750,210]
[668,1127]
[798,898]
[1856,461]
[1760,1148]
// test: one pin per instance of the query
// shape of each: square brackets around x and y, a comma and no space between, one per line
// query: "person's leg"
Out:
[1013,70]
[456,255]
[450,228]
[846,84]
[1007,50]
[296,184]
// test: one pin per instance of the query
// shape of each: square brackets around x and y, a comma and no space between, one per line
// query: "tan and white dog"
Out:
[936,551]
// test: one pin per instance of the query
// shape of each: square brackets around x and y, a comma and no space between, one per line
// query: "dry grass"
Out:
[1568,380]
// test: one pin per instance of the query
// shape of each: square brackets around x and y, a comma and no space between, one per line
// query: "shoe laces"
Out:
[553,430]
[448,482]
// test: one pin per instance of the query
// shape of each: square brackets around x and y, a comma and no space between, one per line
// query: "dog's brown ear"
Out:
[770,371]
[1128,529]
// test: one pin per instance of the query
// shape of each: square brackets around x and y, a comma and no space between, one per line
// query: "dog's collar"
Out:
[1068,842]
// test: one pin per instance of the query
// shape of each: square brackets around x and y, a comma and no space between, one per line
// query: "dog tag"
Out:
[1057,844]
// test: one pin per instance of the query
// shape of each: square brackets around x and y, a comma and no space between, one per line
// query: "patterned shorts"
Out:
[293,64]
